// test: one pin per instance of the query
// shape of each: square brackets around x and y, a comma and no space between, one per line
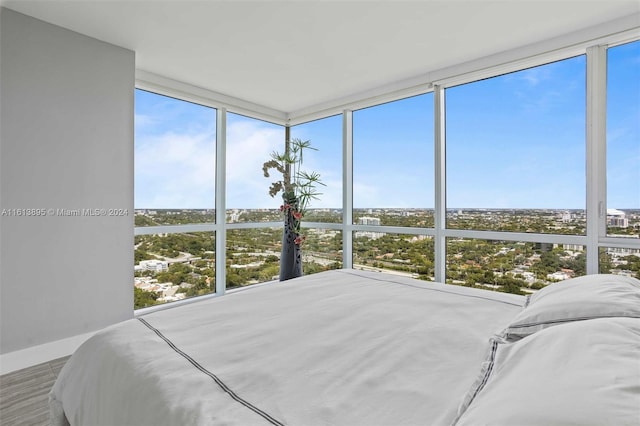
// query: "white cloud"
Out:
[175,171]
[331,193]
[533,76]
[249,144]
[365,195]
[178,170]
[143,121]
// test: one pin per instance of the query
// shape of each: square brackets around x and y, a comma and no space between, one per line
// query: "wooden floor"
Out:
[24,394]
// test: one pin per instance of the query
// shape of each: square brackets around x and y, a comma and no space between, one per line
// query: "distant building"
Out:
[617,218]
[623,251]
[559,276]
[234,216]
[370,235]
[365,220]
[151,265]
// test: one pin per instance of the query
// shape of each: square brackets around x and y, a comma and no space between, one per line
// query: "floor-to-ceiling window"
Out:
[516,185]
[322,247]
[515,162]
[393,187]
[175,149]
[254,220]
[516,151]
[252,250]
[623,160]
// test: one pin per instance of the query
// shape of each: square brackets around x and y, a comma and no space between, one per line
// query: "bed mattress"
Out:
[342,347]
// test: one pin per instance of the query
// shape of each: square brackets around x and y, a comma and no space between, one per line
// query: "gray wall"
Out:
[66,142]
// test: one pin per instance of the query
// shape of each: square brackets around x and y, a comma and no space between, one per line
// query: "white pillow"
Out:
[586,297]
[582,373]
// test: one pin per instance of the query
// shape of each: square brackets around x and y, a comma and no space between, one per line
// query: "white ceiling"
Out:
[295,55]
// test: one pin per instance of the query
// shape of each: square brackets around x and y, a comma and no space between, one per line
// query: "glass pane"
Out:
[515,151]
[511,266]
[326,136]
[253,255]
[250,143]
[393,162]
[170,267]
[322,250]
[620,261]
[175,149]
[403,254]
[623,140]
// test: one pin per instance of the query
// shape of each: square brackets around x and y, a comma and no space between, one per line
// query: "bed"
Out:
[350,347]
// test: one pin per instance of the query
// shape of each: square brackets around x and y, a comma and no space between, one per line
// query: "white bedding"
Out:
[580,373]
[342,347]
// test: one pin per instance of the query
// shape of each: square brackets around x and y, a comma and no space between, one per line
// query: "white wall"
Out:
[66,142]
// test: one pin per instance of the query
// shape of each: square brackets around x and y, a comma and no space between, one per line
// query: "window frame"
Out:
[595,49]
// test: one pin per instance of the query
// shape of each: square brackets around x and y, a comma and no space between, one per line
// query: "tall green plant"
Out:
[298,186]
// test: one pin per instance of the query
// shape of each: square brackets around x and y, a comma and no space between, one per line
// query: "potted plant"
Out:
[298,188]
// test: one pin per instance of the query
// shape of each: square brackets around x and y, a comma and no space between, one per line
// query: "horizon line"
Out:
[384,208]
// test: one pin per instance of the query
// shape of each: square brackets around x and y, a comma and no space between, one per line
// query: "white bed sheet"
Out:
[579,373]
[342,347]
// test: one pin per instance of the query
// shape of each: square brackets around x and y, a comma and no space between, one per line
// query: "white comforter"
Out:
[341,347]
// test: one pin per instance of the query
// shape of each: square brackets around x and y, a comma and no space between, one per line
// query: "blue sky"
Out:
[513,141]
[518,140]
[623,127]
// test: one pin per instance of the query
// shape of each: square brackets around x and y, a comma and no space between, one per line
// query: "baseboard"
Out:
[35,355]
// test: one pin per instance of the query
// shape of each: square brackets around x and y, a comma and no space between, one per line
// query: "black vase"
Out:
[291,256]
